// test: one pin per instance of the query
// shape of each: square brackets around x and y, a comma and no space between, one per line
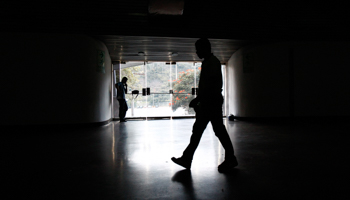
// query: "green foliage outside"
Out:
[133,78]
[185,82]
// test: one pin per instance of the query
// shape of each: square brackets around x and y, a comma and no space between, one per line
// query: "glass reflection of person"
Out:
[208,107]
[122,89]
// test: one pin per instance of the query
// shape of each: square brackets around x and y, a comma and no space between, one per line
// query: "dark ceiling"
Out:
[229,24]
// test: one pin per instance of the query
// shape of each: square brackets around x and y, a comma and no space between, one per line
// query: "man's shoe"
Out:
[123,120]
[182,162]
[227,165]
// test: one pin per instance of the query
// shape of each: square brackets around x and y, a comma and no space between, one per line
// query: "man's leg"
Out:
[197,131]
[122,111]
[221,132]
[224,138]
[125,108]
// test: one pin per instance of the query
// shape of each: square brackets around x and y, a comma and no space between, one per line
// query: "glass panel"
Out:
[183,80]
[158,105]
[160,78]
[136,74]
[198,68]
[158,82]
[157,77]
[180,105]
[137,106]
[183,74]
[223,70]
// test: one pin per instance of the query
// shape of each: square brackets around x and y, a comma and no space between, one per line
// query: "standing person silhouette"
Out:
[122,89]
[208,107]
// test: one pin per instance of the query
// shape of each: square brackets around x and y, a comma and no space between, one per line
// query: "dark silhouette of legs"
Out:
[224,138]
[210,113]
[214,115]
[197,132]
[123,107]
[221,132]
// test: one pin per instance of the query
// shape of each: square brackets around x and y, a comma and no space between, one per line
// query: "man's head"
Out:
[124,79]
[203,48]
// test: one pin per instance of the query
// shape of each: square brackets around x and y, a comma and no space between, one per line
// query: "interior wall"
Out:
[322,83]
[54,79]
[258,82]
[290,79]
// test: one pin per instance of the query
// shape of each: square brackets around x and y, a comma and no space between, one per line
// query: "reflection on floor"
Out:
[132,161]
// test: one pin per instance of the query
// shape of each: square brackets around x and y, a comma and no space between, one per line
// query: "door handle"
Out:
[194,91]
[146,91]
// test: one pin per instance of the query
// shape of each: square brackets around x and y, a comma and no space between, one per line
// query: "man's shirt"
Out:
[210,80]
[120,91]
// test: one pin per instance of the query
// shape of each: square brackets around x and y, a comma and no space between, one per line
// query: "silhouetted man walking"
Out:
[122,89]
[208,107]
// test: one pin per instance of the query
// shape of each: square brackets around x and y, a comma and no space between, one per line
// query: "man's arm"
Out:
[126,88]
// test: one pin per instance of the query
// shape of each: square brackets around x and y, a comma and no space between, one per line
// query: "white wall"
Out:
[318,84]
[53,79]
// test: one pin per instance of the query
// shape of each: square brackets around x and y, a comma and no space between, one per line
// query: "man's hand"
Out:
[193,103]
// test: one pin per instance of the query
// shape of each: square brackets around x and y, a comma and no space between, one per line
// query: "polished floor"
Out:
[301,160]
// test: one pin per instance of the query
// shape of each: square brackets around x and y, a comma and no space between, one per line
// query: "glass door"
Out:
[158,82]
[185,76]
[171,87]
[136,74]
